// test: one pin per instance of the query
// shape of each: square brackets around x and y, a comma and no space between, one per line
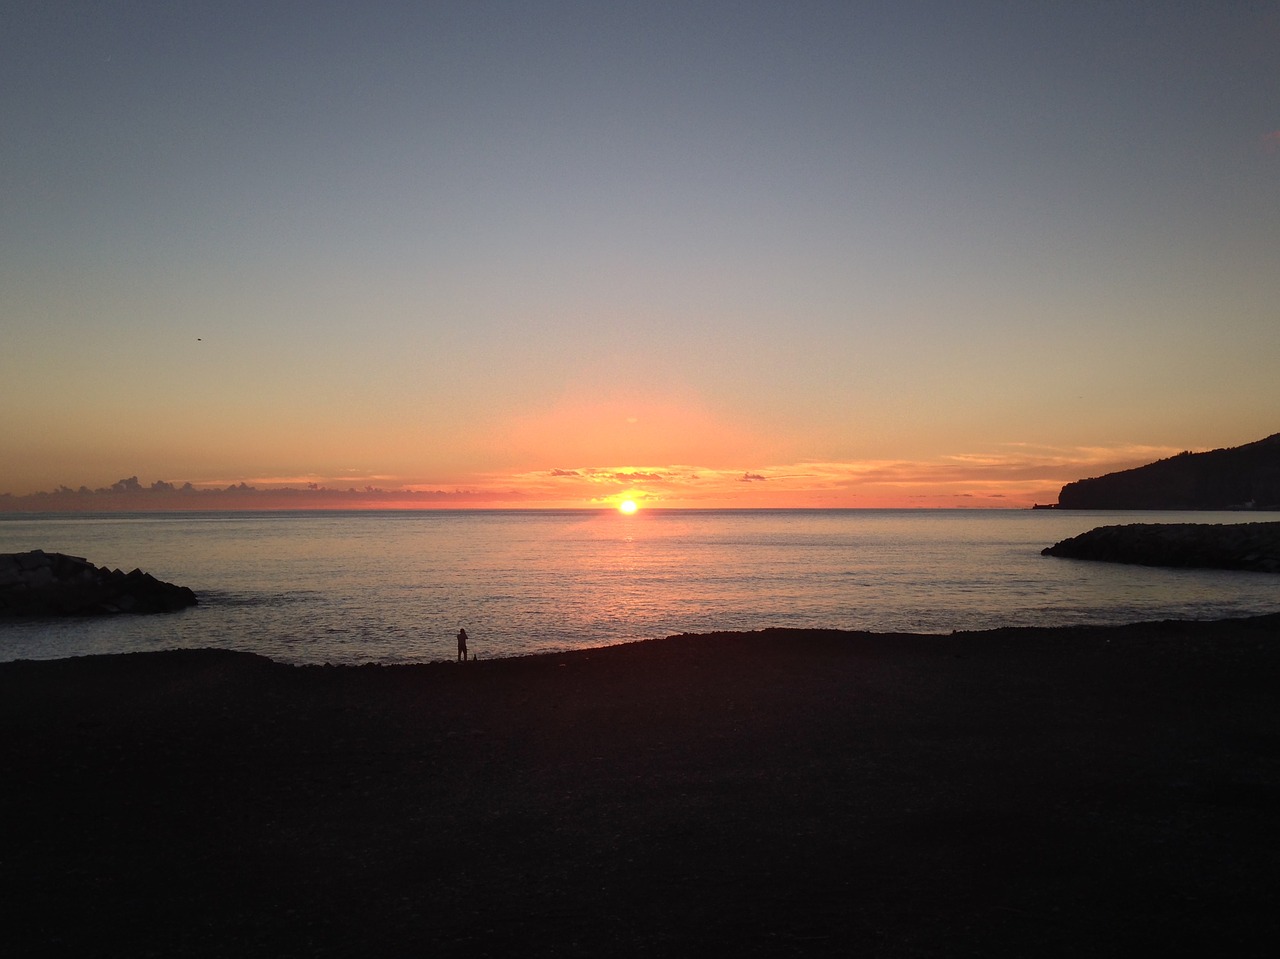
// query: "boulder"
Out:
[37,583]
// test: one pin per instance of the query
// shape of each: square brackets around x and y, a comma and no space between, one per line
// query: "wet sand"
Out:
[1057,792]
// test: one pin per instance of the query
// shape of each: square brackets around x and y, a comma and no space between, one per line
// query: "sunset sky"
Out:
[699,254]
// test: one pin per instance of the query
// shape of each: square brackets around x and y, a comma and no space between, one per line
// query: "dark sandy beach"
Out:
[1065,792]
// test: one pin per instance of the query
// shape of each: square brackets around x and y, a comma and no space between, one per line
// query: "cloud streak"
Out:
[1017,475]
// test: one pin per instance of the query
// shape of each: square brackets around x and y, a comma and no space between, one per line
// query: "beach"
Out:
[1066,791]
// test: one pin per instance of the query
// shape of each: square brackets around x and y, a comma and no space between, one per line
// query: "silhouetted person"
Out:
[462,645]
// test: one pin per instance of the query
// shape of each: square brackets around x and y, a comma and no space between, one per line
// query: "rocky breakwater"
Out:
[52,584]
[1246,546]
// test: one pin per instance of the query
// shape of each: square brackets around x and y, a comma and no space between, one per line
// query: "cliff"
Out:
[1240,477]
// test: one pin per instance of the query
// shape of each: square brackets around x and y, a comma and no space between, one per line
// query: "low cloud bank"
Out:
[1014,477]
[129,495]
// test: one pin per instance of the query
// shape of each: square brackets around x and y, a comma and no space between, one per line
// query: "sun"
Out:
[627,506]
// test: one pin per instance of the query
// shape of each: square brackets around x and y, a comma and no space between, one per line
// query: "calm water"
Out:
[395,587]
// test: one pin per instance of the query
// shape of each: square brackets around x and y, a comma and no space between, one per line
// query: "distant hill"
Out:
[1241,477]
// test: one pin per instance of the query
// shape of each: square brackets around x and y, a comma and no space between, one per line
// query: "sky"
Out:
[719,254]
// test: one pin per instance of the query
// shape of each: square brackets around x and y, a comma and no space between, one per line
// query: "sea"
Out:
[395,587]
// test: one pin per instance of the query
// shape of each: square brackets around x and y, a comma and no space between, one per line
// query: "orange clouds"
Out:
[1017,476]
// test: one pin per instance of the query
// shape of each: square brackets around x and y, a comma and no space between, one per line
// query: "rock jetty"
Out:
[1245,546]
[53,584]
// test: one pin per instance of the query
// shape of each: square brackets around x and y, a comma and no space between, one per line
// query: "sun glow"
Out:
[627,506]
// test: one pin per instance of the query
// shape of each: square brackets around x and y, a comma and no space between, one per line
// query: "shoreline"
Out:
[785,792]
[1064,631]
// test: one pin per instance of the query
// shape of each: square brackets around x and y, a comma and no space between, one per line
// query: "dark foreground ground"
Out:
[1019,793]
